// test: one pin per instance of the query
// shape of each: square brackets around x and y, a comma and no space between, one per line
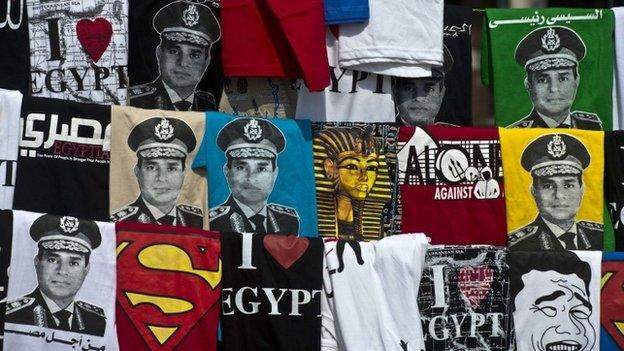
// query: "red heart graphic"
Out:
[474,283]
[285,249]
[94,36]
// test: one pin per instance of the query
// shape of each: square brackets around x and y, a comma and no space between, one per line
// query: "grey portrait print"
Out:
[550,57]
[556,163]
[61,264]
[187,32]
[252,146]
[162,146]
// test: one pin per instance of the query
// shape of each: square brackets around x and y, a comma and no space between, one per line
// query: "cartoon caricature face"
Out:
[556,312]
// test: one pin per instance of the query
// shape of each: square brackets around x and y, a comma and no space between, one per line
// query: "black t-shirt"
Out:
[15,54]
[456,106]
[271,295]
[63,161]
[614,183]
[150,54]
[6,235]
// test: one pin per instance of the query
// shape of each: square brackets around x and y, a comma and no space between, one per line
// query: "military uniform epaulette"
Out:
[588,116]
[18,304]
[521,124]
[124,213]
[218,211]
[141,90]
[91,308]
[190,209]
[591,225]
[523,233]
[283,209]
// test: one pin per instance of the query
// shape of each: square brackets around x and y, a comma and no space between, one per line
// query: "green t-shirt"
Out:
[554,45]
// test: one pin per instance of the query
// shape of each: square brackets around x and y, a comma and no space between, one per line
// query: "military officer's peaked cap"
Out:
[162,137]
[65,233]
[555,154]
[550,47]
[251,138]
[187,22]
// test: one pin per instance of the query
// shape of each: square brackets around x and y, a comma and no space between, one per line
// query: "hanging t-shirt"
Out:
[65,299]
[464,298]
[343,153]
[554,188]
[174,60]
[259,97]
[6,228]
[549,68]
[64,154]
[451,183]
[10,106]
[402,38]
[168,287]
[614,186]
[555,299]
[346,11]
[151,180]
[260,173]
[612,302]
[79,50]
[618,89]
[352,95]
[271,296]
[275,38]
[370,299]
[15,53]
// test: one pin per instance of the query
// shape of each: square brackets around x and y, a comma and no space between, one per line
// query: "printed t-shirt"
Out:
[10,106]
[470,285]
[402,38]
[352,95]
[346,11]
[79,50]
[555,299]
[553,188]
[6,228]
[147,143]
[174,60]
[260,173]
[370,294]
[369,209]
[63,162]
[612,302]
[259,97]
[168,287]
[524,50]
[451,183]
[15,54]
[271,296]
[614,187]
[74,259]
[275,38]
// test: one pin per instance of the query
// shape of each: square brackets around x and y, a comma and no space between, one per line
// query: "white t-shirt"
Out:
[10,106]
[402,38]
[373,305]
[618,91]
[352,96]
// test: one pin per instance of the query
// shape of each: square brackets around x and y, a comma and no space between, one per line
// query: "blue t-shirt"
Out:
[346,11]
[269,173]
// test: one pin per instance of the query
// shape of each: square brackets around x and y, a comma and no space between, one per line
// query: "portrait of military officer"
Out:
[162,145]
[418,100]
[550,57]
[62,264]
[251,147]
[187,31]
[552,309]
[556,163]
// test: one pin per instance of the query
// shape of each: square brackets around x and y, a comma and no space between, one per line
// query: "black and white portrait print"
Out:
[555,302]
[187,31]
[556,163]
[550,57]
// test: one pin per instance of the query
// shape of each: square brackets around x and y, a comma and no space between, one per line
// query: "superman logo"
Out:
[612,300]
[167,285]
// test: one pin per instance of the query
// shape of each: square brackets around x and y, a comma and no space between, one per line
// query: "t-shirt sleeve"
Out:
[200,157]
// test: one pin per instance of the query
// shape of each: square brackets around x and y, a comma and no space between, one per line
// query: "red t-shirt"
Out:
[275,38]
[451,184]
[168,287]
